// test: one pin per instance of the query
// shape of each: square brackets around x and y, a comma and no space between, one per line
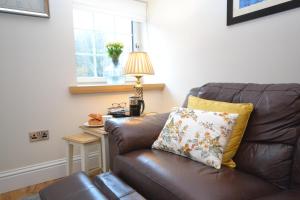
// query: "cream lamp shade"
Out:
[138,64]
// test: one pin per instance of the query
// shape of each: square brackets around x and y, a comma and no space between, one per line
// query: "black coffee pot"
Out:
[136,106]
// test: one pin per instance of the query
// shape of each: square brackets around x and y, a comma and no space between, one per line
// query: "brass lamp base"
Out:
[138,87]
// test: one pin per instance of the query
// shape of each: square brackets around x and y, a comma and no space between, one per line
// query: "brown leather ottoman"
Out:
[114,188]
[75,187]
[79,187]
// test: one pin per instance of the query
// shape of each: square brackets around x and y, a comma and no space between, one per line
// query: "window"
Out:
[93,29]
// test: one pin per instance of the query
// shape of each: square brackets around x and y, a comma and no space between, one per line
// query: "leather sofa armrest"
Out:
[129,134]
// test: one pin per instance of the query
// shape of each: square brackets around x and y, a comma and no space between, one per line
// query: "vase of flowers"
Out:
[113,72]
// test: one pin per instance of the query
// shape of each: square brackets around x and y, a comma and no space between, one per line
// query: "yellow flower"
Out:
[186,148]
[207,135]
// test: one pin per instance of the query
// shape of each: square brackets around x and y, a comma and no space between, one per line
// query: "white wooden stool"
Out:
[83,140]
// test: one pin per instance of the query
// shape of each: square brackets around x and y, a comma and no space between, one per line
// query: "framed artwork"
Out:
[244,10]
[38,8]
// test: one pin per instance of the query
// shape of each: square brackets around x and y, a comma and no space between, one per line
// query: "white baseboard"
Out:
[38,173]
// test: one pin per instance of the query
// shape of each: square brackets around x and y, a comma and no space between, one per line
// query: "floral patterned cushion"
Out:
[196,134]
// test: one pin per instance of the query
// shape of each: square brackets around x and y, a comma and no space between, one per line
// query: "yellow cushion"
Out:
[243,109]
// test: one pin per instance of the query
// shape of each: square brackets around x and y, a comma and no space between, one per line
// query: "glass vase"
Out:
[114,74]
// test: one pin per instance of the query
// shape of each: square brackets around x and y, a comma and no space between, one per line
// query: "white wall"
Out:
[37,65]
[191,45]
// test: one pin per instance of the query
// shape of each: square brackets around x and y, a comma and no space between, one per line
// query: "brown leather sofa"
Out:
[268,160]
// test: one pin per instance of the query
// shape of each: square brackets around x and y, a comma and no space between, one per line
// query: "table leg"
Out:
[84,158]
[105,152]
[69,158]
[100,156]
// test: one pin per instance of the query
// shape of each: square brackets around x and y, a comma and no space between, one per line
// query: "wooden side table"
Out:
[83,140]
[101,134]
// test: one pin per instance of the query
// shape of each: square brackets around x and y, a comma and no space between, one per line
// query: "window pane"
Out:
[85,66]
[82,19]
[139,32]
[92,31]
[102,62]
[126,40]
[83,41]
[104,23]
[100,43]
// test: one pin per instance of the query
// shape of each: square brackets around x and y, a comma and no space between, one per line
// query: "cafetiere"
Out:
[136,106]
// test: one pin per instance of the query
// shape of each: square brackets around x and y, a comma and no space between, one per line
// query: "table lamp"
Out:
[138,65]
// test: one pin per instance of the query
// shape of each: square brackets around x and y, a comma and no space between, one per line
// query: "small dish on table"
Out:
[93,125]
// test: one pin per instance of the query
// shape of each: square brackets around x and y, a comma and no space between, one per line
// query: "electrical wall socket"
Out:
[39,136]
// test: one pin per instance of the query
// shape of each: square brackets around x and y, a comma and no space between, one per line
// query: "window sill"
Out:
[93,89]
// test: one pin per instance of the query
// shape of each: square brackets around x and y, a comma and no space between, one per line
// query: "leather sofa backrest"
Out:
[295,177]
[268,148]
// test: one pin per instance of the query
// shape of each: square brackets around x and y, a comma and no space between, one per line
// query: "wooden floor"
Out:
[25,192]
[34,189]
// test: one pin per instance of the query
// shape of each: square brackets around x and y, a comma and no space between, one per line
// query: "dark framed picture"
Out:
[37,8]
[244,10]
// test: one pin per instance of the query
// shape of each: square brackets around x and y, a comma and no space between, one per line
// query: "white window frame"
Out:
[91,6]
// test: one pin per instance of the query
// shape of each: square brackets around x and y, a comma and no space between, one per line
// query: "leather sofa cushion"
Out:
[114,188]
[269,161]
[268,145]
[162,175]
[75,187]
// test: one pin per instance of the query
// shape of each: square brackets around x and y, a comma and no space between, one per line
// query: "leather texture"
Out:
[296,166]
[269,141]
[75,187]
[132,196]
[114,188]
[286,195]
[268,161]
[129,134]
[161,175]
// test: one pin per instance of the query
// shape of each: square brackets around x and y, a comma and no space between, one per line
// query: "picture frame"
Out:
[243,10]
[36,8]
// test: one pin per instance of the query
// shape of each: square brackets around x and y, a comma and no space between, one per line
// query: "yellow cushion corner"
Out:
[243,109]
